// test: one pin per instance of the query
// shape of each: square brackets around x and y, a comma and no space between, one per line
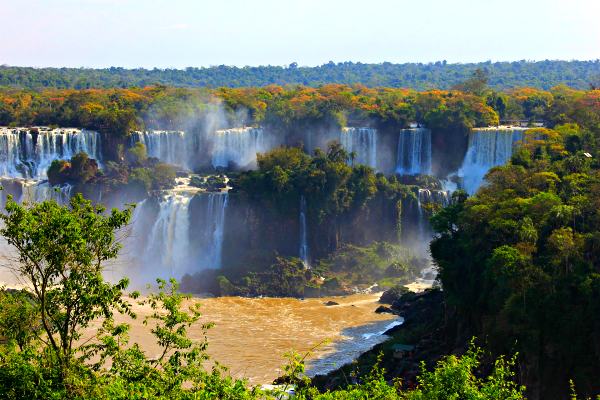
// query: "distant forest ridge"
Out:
[438,75]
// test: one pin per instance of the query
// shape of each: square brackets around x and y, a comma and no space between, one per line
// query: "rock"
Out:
[392,295]
[331,303]
[383,309]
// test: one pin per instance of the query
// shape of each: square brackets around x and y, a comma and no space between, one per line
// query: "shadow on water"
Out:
[356,341]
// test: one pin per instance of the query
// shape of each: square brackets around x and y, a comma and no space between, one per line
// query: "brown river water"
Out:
[251,335]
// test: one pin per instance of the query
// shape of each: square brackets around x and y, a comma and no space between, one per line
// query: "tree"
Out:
[476,84]
[137,154]
[18,317]
[61,254]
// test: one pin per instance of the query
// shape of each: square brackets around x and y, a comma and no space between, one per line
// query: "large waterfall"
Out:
[27,153]
[163,244]
[488,147]
[237,146]
[303,250]
[414,152]
[172,147]
[169,240]
[362,142]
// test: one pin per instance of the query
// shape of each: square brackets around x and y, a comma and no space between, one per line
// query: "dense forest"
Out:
[519,261]
[438,75]
[116,112]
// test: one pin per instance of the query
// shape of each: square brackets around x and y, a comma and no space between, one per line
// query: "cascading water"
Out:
[488,147]
[361,141]
[33,191]
[414,152]
[211,243]
[164,236]
[303,250]
[237,146]
[429,201]
[27,153]
[172,147]
[169,241]
[36,192]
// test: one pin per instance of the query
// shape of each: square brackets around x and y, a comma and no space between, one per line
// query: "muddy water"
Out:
[250,336]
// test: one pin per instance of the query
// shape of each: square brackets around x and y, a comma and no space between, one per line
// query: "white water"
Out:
[30,191]
[237,146]
[168,244]
[36,192]
[414,152]
[171,147]
[363,142]
[211,246]
[27,153]
[162,244]
[488,147]
[427,201]
[303,250]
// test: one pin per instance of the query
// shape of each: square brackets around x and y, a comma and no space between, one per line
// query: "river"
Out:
[251,335]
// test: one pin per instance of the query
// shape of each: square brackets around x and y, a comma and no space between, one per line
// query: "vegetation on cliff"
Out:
[519,261]
[118,111]
[137,172]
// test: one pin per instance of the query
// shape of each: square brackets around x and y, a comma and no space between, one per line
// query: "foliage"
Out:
[518,261]
[62,251]
[385,263]
[453,378]
[541,74]
[286,277]
[64,268]
[80,169]
[18,317]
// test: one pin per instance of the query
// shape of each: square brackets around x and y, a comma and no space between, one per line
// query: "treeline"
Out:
[440,75]
[118,111]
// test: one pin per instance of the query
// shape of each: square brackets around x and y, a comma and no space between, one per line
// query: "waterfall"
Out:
[414,152]
[488,147]
[213,222]
[37,192]
[428,201]
[27,153]
[363,142]
[169,241]
[303,251]
[171,147]
[164,238]
[237,146]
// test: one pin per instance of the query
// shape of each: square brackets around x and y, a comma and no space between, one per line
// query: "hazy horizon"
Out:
[180,33]
[302,66]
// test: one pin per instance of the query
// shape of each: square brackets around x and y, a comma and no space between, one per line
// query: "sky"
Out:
[183,33]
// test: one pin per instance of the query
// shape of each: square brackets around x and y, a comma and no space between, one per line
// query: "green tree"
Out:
[62,251]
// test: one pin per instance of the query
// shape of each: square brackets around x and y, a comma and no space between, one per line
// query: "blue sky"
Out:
[180,33]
